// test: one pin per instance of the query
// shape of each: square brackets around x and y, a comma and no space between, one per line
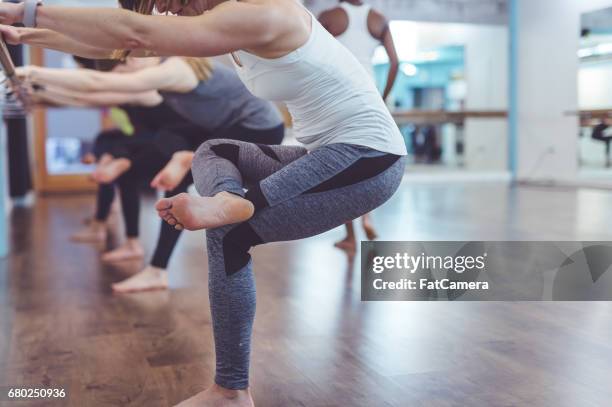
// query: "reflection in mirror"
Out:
[70,132]
[450,96]
[595,90]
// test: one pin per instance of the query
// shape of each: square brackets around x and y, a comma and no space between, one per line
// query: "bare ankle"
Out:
[229,393]
[184,157]
[133,243]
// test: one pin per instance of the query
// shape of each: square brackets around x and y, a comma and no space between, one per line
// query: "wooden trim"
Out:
[442,117]
[43,181]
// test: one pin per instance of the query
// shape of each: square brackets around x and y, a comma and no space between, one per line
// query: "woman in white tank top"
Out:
[361,30]
[353,163]
[357,37]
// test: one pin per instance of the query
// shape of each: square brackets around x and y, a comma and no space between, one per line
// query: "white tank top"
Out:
[357,37]
[328,93]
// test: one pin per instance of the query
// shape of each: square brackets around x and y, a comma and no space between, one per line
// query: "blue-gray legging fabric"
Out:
[296,195]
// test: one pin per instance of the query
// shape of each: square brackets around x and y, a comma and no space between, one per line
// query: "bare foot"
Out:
[368,227]
[107,173]
[105,159]
[151,278]
[174,172]
[196,212]
[130,250]
[88,158]
[217,396]
[347,244]
[94,232]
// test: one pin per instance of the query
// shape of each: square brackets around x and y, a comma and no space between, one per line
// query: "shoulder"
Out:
[377,24]
[334,20]
[332,13]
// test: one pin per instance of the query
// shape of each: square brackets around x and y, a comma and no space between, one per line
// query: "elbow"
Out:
[134,36]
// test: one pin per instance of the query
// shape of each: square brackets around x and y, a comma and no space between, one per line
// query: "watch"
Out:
[29,12]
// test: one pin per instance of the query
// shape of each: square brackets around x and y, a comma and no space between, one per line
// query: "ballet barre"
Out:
[444,117]
[14,98]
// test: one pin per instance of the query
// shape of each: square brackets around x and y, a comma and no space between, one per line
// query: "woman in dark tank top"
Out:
[174,104]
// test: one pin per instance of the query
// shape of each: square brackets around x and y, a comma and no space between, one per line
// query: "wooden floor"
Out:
[316,344]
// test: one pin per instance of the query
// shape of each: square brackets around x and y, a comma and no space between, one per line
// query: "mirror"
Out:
[450,97]
[594,91]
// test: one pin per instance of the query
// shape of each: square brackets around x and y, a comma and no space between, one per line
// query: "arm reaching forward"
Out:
[217,32]
[172,75]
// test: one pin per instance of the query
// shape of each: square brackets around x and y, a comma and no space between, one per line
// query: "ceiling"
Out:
[456,11]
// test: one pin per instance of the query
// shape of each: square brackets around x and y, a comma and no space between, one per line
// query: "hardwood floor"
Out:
[316,344]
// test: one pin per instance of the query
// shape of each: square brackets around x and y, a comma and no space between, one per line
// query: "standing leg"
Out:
[306,197]
[368,226]
[145,162]
[155,275]
[95,231]
[349,243]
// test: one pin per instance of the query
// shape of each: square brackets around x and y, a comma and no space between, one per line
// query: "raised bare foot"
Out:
[105,159]
[107,173]
[93,232]
[347,244]
[368,227]
[196,212]
[130,250]
[217,396]
[151,278]
[88,158]
[173,173]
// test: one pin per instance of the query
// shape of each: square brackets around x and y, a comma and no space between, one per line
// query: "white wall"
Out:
[547,88]
[486,140]
[595,85]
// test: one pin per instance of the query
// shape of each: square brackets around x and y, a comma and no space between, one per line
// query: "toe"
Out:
[164,204]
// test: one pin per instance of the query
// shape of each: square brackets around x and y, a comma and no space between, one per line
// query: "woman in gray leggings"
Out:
[352,162]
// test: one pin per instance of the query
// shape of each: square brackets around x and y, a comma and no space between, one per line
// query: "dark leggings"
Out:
[105,143]
[104,201]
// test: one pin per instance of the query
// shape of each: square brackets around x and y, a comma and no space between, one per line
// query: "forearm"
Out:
[86,80]
[74,79]
[105,99]
[218,32]
[53,40]
[45,98]
[391,77]
[115,28]
[98,27]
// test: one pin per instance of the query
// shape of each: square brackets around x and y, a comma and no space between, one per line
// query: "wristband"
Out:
[29,12]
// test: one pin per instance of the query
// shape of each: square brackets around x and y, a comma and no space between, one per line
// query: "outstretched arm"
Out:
[98,99]
[393,61]
[171,75]
[217,32]
[52,40]
[379,28]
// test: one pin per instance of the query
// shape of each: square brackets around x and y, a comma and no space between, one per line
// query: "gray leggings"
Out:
[296,195]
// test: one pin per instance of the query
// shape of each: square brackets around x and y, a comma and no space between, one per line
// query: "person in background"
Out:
[362,30]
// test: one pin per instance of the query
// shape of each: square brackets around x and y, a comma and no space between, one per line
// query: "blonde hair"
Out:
[202,67]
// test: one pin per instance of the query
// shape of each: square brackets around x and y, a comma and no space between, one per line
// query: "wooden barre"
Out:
[441,116]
